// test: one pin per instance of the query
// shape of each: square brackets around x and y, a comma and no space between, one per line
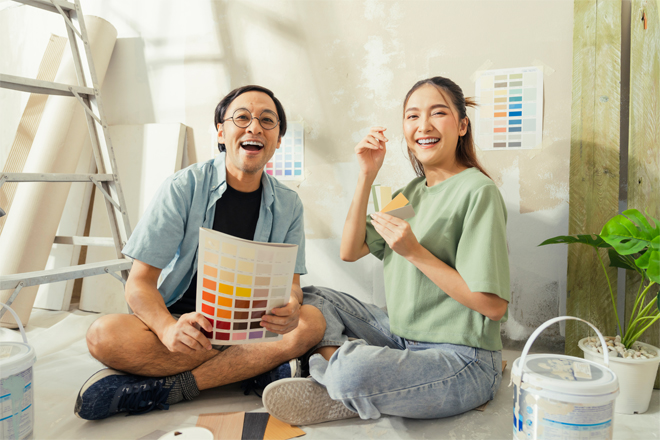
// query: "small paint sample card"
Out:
[382,195]
[510,111]
[399,207]
[288,161]
[239,281]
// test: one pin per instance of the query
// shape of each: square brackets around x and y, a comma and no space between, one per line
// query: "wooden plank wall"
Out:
[644,140]
[594,169]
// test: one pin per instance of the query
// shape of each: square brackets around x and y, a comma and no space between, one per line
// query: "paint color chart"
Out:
[238,282]
[510,111]
[287,162]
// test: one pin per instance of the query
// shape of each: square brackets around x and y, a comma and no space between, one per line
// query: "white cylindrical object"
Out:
[558,396]
[636,377]
[35,214]
[16,387]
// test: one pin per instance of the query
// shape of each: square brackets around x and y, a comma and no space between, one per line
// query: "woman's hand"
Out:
[370,151]
[396,233]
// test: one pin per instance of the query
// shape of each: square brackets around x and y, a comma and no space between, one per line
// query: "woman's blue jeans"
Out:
[381,373]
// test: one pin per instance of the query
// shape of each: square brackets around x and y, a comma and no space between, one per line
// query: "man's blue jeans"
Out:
[381,373]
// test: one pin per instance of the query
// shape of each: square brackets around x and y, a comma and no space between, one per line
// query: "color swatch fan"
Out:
[399,207]
[238,282]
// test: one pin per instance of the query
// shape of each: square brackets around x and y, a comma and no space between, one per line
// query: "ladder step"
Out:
[54,177]
[63,274]
[47,5]
[85,241]
[42,87]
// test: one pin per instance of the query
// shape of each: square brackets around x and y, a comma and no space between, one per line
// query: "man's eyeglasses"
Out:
[242,118]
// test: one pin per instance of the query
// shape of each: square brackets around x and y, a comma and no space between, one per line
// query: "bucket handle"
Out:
[18,321]
[547,324]
[525,351]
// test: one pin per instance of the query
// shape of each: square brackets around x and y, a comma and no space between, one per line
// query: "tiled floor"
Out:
[64,364]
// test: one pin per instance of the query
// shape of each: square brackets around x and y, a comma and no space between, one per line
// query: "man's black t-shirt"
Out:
[236,214]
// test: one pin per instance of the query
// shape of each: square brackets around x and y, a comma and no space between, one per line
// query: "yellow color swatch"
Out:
[385,195]
[224,302]
[228,248]
[243,291]
[399,202]
[245,266]
[246,252]
[227,262]
[244,279]
[226,289]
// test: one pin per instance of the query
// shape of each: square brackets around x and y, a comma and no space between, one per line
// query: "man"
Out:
[158,356]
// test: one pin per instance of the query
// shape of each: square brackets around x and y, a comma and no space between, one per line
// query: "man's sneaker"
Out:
[110,391]
[303,402]
[285,371]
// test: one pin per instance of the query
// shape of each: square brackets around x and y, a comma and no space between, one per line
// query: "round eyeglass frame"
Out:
[253,117]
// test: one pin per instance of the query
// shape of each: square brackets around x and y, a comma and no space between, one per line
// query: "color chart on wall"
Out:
[510,111]
[238,281]
[288,161]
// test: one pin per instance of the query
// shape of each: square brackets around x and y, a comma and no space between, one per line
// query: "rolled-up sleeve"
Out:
[296,235]
[158,234]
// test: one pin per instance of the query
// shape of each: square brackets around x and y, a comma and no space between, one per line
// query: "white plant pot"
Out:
[636,378]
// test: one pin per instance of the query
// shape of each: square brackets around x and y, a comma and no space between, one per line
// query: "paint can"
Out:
[558,396]
[16,388]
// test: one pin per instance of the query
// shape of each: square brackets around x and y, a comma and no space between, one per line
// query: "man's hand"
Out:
[183,335]
[284,319]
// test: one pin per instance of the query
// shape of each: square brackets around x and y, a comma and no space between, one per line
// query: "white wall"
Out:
[342,66]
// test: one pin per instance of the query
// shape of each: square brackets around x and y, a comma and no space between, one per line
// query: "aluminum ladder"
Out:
[106,180]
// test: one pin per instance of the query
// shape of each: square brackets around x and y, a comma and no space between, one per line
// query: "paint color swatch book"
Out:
[238,282]
[399,207]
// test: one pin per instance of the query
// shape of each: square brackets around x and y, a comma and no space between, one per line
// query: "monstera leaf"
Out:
[630,233]
[590,240]
[623,261]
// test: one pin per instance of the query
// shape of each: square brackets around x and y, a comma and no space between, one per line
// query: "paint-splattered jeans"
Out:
[381,373]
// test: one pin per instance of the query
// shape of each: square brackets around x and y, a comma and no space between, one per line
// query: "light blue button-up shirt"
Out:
[167,236]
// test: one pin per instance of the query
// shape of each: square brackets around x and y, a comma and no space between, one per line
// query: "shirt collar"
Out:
[220,177]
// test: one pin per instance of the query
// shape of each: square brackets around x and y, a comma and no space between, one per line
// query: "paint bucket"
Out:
[558,396]
[16,389]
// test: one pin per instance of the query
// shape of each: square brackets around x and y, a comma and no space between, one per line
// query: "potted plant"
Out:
[632,244]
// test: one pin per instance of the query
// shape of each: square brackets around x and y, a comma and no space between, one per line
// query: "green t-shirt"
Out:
[462,221]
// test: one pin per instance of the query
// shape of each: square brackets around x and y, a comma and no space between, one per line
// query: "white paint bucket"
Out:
[16,388]
[558,396]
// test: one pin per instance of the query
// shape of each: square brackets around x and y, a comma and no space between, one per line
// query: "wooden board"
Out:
[644,140]
[594,169]
[224,426]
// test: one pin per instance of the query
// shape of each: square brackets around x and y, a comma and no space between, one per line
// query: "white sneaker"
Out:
[303,402]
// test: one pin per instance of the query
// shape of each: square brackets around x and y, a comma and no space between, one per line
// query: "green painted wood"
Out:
[644,140]
[594,168]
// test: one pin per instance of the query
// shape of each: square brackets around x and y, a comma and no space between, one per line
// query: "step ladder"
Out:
[88,94]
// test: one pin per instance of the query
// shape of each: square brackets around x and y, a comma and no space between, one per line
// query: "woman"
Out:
[437,352]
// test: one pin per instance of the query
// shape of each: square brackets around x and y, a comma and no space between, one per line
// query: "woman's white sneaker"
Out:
[303,402]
